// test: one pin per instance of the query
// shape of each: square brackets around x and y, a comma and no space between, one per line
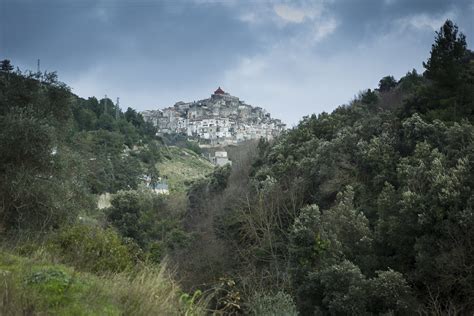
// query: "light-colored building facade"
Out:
[220,158]
[220,120]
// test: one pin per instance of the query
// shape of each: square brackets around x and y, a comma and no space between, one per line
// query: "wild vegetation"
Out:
[181,166]
[367,210]
[59,152]
[32,286]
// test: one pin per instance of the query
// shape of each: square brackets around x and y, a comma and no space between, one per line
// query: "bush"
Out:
[156,251]
[51,284]
[92,249]
[279,304]
[35,287]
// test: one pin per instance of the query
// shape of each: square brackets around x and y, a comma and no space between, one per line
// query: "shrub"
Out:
[156,251]
[51,283]
[35,287]
[92,249]
[278,304]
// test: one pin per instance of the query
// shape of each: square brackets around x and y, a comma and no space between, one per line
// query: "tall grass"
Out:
[38,287]
[150,291]
[12,300]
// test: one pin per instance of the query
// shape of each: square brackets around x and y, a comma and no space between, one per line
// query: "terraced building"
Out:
[220,120]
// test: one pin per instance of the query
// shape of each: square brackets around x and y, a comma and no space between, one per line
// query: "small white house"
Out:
[220,158]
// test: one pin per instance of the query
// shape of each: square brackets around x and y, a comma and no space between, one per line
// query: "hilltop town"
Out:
[220,120]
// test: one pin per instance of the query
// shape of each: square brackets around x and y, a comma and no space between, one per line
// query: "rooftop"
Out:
[219,91]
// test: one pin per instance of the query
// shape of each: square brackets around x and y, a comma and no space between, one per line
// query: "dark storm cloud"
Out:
[81,34]
[62,35]
[271,52]
[363,20]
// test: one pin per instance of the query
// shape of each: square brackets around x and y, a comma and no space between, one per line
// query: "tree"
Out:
[94,105]
[447,53]
[348,228]
[387,83]
[219,179]
[134,117]
[39,179]
[6,66]
[125,214]
[106,122]
[344,290]
[368,97]
[410,81]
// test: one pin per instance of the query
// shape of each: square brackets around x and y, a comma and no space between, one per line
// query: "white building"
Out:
[220,158]
[221,119]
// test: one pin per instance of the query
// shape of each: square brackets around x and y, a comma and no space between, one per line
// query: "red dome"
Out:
[219,91]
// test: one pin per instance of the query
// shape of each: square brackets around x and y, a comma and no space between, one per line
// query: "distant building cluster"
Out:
[220,120]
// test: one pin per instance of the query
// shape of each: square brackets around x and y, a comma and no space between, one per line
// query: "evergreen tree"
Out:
[387,83]
[445,64]
[6,66]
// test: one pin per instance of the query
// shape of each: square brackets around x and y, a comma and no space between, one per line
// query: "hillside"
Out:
[181,166]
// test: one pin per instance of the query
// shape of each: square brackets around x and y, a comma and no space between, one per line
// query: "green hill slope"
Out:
[38,287]
[182,166]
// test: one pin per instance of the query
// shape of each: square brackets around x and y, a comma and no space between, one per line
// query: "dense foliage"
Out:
[367,210]
[57,149]
[59,153]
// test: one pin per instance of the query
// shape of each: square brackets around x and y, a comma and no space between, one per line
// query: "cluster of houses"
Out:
[220,120]
[214,123]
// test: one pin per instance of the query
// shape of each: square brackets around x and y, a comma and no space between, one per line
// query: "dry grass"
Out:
[150,291]
[60,290]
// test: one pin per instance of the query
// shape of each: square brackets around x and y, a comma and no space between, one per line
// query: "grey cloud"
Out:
[155,52]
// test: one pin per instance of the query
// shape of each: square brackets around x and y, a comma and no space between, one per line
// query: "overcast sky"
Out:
[292,58]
